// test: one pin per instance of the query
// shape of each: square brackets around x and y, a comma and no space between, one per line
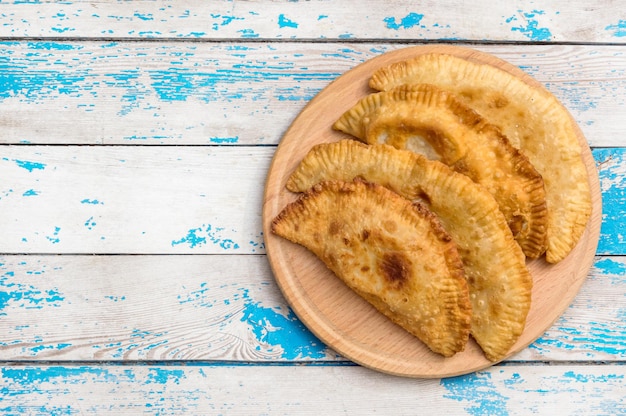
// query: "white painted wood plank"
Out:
[243,93]
[226,307]
[555,21]
[594,325]
[132,199]
[612,173]
[148,308]
[327,390]
[173,199]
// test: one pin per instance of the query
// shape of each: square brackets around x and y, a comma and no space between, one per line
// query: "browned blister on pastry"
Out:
[499,282]
[427,120]
[533,120]
[393,253]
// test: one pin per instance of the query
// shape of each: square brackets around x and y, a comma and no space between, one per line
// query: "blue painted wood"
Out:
[612,170]
[75,92]
[91,217]
[210,388]
[138,199]
[447,20]
[147,308]
[226,308]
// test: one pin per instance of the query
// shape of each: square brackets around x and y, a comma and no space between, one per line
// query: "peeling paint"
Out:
[407,22]
[609,266]
[529,25]
[478,393]
[207,233]
[282,330]
[610,163]
[30,192]
[283,22]
[618,29]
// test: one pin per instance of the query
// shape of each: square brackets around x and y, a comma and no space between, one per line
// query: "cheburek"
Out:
[391,252]
[532,118]
[433,122]
[499,282]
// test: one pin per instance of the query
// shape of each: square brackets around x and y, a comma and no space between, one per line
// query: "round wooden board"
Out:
[339,317]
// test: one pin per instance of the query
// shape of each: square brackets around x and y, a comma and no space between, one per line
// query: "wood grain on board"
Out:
[227,308]
[241,389]
[449,20]
[212,93]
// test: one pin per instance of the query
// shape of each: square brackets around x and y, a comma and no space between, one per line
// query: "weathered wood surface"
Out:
[226,307]
[307,390]
[450,20]
[135,138]
[132,199]
[180,93]
[174,199]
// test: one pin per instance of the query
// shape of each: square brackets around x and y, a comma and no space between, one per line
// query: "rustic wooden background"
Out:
[134,144]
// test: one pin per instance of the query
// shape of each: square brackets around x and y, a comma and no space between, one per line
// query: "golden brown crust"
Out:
[499,282]
[433,122]
[532,118]
[393,253]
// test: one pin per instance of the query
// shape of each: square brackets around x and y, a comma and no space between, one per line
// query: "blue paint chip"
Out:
[478,391]
[90,223]
[618,29]
[149,34]
[224,140]
[26,296]
[34,84]
[610,266]
[191,239]
[180,83]
[204,234]
[248,33]
[585,378]
[62,29]
[531,30]
[52,46]
[592,338]
[144,16]
[164,376]
[27,377]
[225,20]
[134,91]
[287,332]
[283,22]
[30,166]
[54,238]
[407,22]
[91,201]
[197,297]
[30,192]
[612,238]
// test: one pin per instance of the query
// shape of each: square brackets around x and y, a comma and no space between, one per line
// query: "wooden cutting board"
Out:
[339,317]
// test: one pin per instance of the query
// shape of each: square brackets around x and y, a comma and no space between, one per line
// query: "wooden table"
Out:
[135,142]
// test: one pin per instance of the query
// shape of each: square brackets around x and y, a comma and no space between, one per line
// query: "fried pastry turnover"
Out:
[532,119]
[499,282]
[391,252]
[433,122]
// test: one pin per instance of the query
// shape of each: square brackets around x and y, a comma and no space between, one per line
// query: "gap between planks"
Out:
[376,41]
[303,363]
